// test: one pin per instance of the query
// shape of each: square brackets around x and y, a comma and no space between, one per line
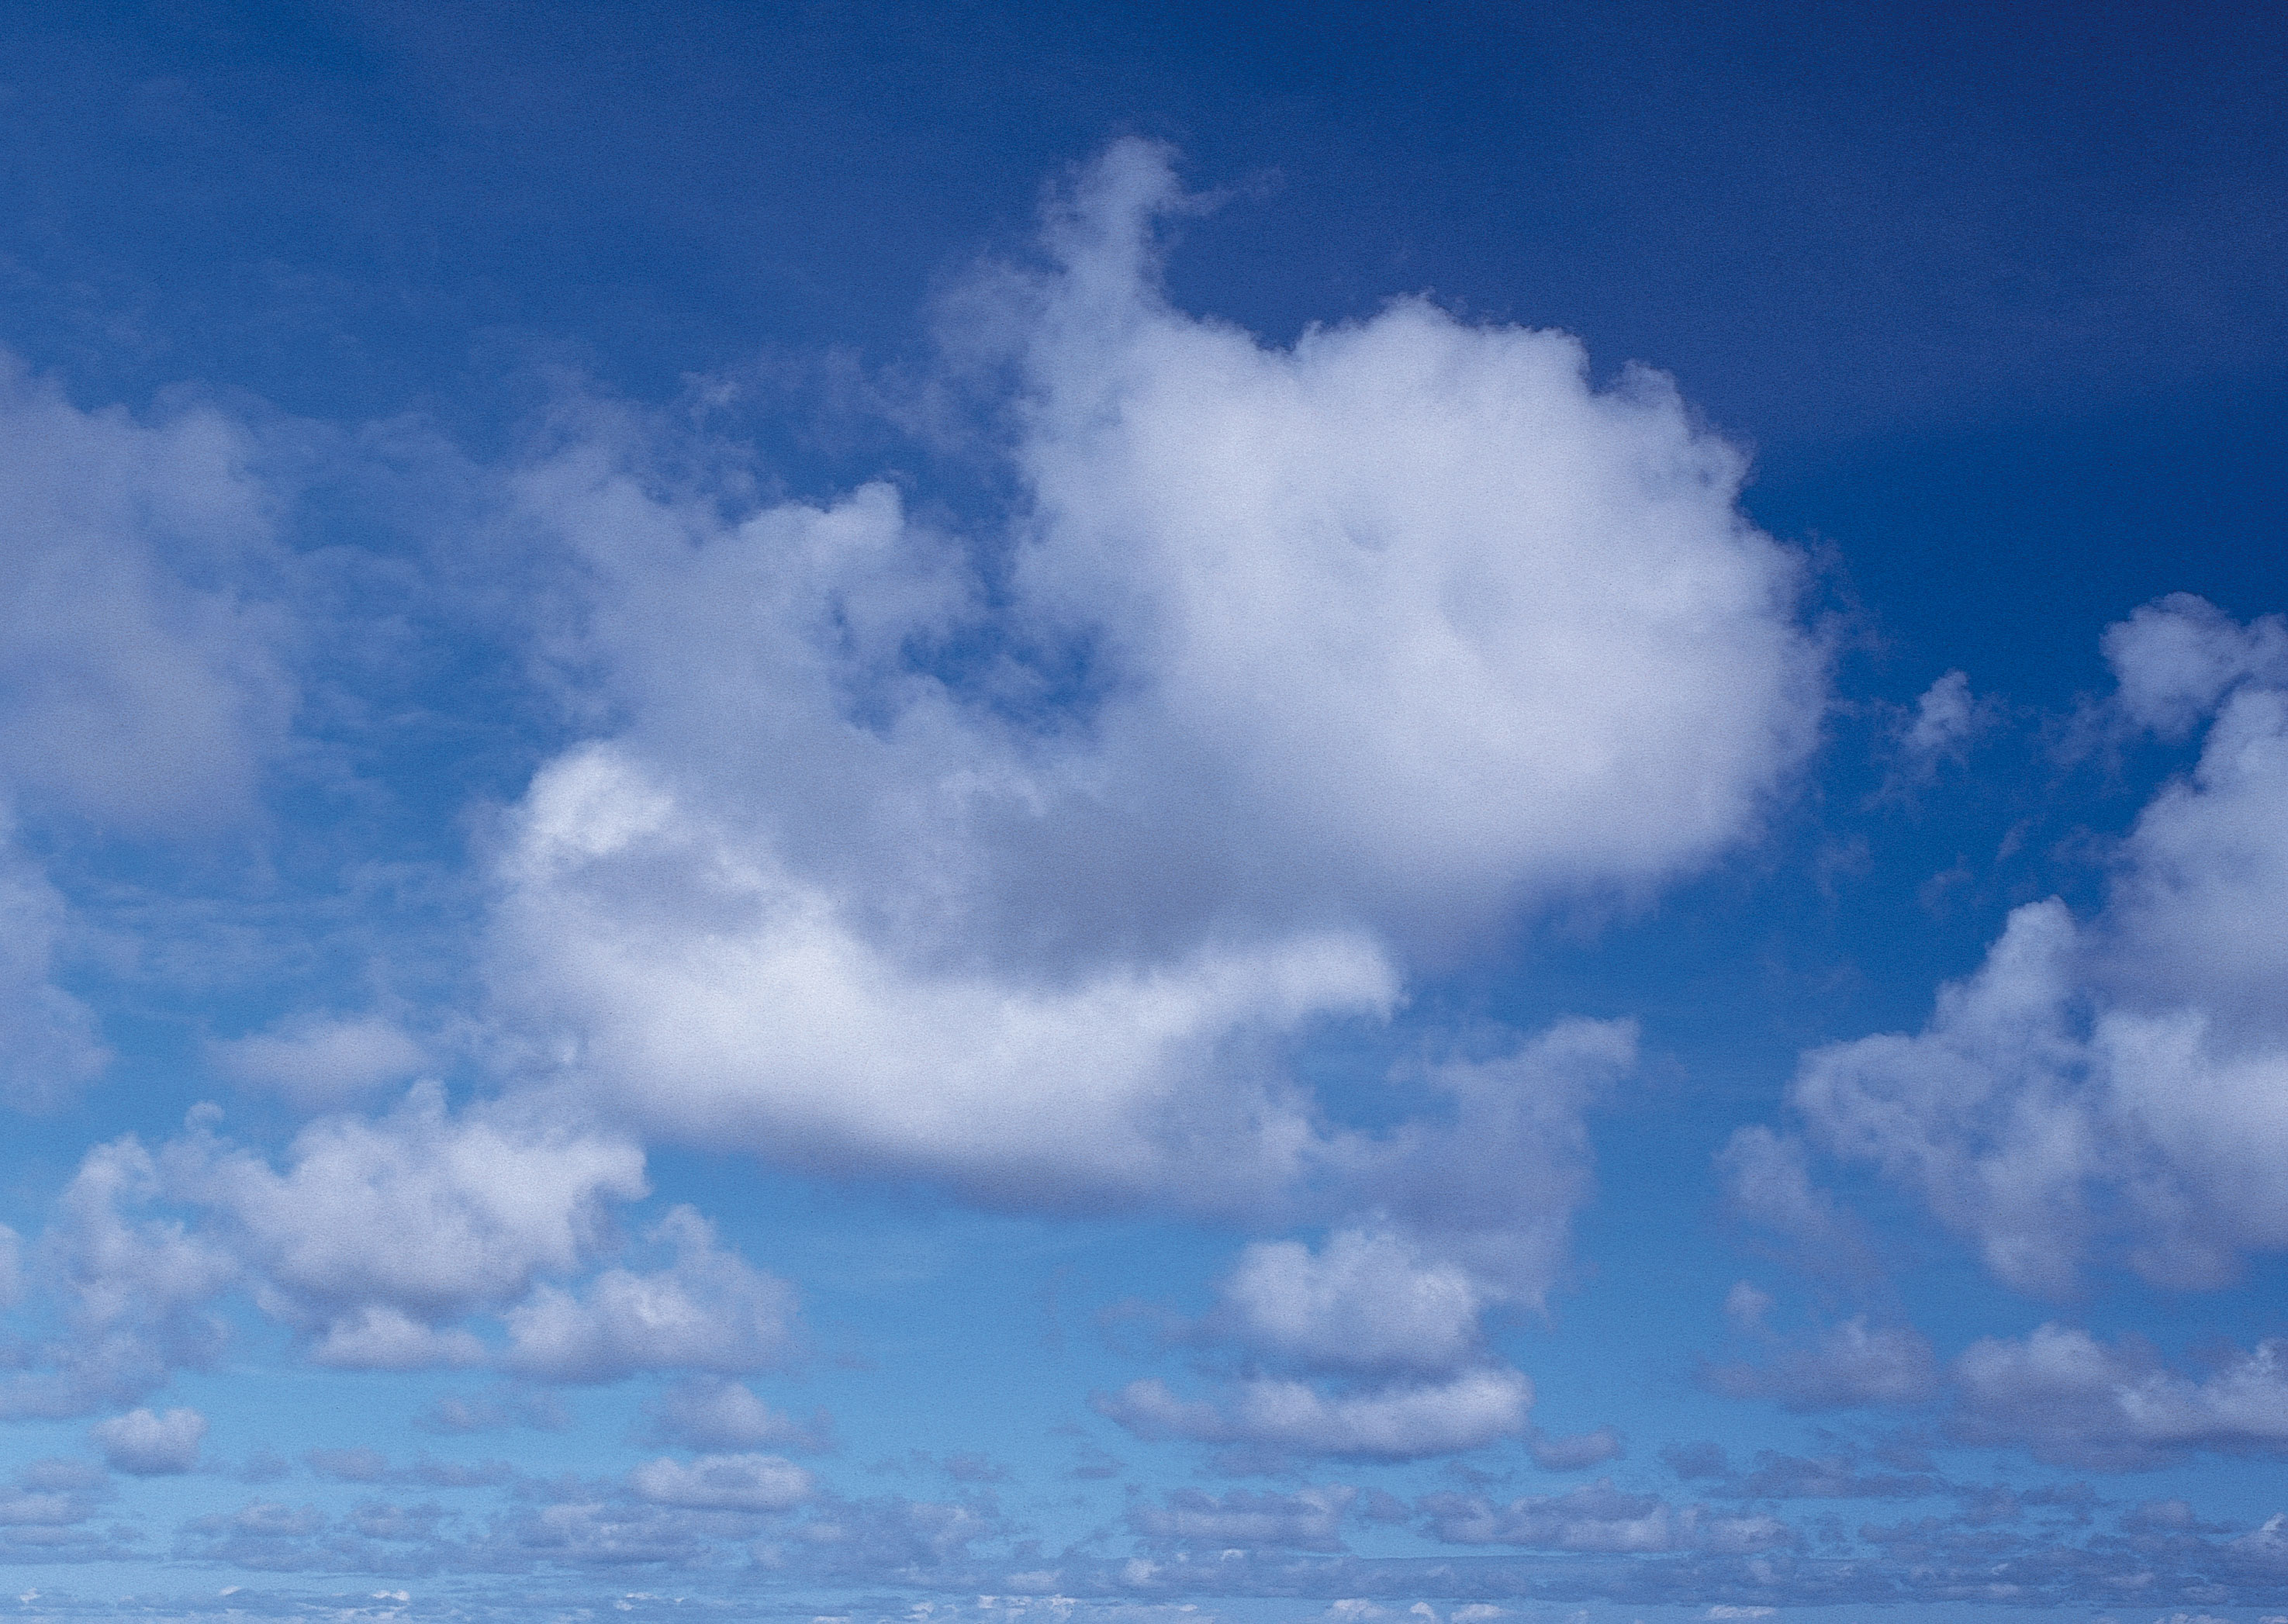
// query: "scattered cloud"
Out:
[709,1310]
[1844,1367]
[2119,1078]
[1390,635]
[723,1482]
[1365,1300]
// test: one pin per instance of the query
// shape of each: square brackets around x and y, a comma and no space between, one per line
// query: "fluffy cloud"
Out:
[723,998]
[709,1310]
[1472,1208]
[1399,1422]
[1300,664]
[133,689]
[711,1413]
[145,1445]
[49,1045]
[43,1513]
[141,684]
[2121,1077]
[1490,1175]
[134,1291]
[1844,1367]
[723,1482]
[1364,578]
[2073,1400]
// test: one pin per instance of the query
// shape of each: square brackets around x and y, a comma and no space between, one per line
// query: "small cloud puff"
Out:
[145,1445]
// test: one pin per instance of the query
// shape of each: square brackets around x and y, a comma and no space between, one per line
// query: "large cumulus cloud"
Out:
[1021,859]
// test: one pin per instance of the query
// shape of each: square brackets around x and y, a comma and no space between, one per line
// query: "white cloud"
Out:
[1363,579]
[1310,1518]
[712,1414]
[709,1310]
[2125,1076]
[133,690]
[1399,1422]
[381,1230]
[1365,1300]
[1767,1181]
[1307,662]
[49,1044]
[145,1445]
[723,1482]
[142,682]
[2073,1400]
[1491,1180]
[375,1239]
[134,1291]
[320,1062]
[378,1336]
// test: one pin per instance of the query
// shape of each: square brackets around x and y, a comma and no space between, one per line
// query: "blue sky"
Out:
[1131,814]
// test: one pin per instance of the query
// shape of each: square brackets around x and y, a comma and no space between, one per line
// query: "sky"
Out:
[1118,815]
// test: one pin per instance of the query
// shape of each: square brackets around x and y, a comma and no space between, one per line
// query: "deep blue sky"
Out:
[331,325]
